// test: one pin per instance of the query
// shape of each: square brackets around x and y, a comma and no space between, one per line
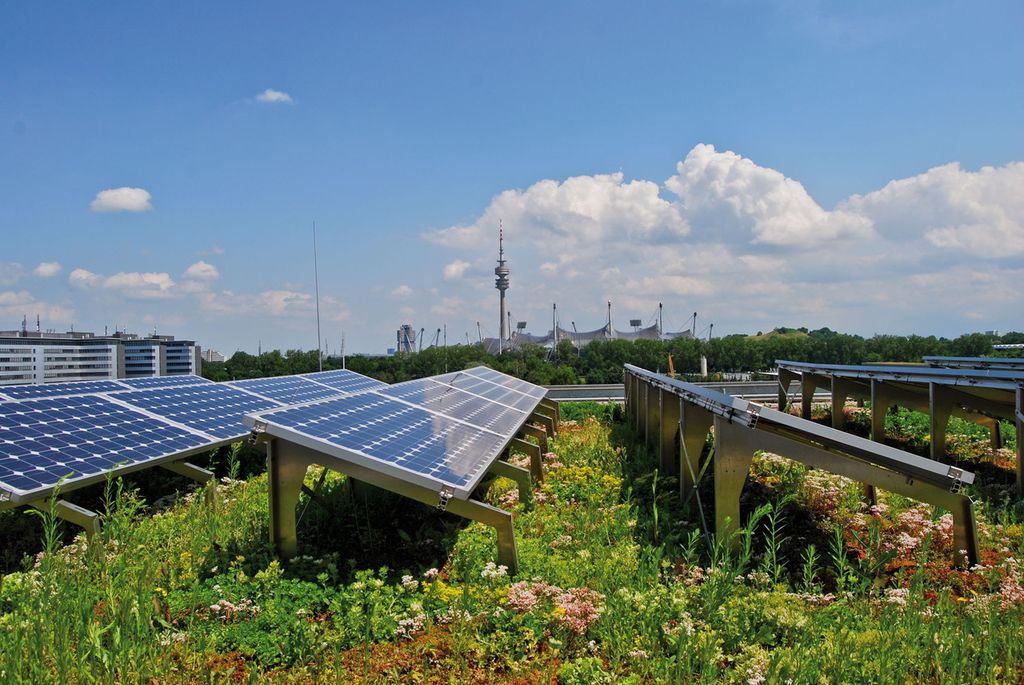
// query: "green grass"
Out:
[616,585]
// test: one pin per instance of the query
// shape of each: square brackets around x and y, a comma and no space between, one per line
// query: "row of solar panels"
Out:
[74,433]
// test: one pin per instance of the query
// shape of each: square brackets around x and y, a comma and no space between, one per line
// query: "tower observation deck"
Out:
[501,283]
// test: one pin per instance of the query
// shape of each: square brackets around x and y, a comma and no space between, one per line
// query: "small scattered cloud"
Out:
[201,271]
[449,306]
[123,199]
[47,269]
[455,270]
[10,273]
[131,284]
[17,304]
[402,291]
[212,251]
[274,97]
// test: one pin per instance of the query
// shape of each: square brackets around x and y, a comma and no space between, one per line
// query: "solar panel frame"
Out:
[378,442]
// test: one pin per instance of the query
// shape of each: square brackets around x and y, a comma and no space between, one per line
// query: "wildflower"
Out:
[430,574]
[493,572]
[638,654]
[410,584]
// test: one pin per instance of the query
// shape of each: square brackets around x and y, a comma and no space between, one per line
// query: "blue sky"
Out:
[763,163]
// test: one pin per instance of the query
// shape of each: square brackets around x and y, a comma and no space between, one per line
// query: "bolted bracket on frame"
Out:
[258,432]
[444,497]
[957,476]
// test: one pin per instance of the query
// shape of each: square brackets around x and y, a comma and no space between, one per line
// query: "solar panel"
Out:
[26,392]
[214,408]
[287,389]
[376,431]
[346,381]
[447,400]
[45,440]
[164,381]
[512,382]
[487,389]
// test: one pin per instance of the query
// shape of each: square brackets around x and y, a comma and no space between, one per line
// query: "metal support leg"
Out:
[995,436]
[806,394]
[286,469]
[537,432]
[652,416]
[668,429]
[786,377]
[940,409]
[840,392]
[1019,416]
[183,468]
[734,451]
[694,424]
[72,513]
[553,407]
[532,451]
[519,475]
[548,422]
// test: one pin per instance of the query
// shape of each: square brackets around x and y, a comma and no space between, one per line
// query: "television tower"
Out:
[501,283]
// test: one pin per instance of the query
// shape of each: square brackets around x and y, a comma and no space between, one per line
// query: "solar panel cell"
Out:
[344,380]
[26,392]
[43,441]
[212,408]
[287,389]
[447,400]
[164,381]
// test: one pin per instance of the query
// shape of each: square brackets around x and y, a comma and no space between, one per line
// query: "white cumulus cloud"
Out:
[201,271]
[980,212]
[274,97]
[130,284]
[47,269]
[123,199]
[16,304]
[455,270]
[727,192]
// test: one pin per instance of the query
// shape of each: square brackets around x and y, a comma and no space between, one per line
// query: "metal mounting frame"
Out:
[742,428]
[287,463]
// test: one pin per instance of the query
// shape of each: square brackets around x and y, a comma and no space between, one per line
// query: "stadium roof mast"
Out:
[501,283]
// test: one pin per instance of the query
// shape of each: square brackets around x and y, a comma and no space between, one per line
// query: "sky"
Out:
[780,163]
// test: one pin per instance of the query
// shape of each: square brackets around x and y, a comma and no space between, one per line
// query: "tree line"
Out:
[601,361]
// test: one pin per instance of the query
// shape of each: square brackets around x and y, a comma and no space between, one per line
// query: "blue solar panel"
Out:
[346,381]
[164,381]
[382,431]
[26,392]
[512,382]
[287,389]
[492,391]
[45,440]
[447,400]
[213,408]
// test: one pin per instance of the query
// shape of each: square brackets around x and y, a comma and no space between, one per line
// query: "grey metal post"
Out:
[786,377]
[285,473]
[1019,416]
[695,423]
[807,385]
[734,451]
[940,410]
[668,429]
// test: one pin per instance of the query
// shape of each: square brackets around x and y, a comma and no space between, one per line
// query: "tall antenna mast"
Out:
[343,349]
[501,283]
[316,286]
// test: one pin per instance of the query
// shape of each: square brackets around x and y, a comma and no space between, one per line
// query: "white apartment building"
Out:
[47,357]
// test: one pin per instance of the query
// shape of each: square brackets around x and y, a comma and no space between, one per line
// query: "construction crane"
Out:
[671,367]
